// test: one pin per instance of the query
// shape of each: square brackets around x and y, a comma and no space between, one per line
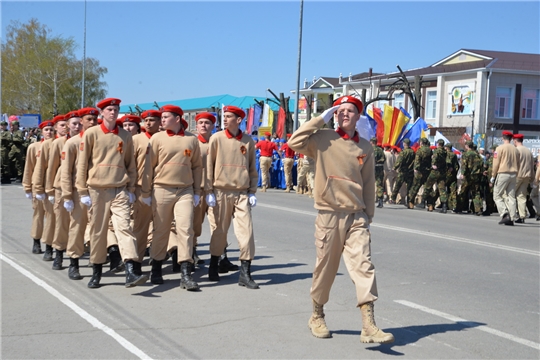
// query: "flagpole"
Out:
[295,124]
[84,59]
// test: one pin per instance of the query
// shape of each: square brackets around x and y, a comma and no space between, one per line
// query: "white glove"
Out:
[68,205]
[28,195]
[252,200]
[434,167]
[40,197]
[211,200]
[196,200]
[132,197]
[51,199]
[328,114]
[147,201]
[85,200]
[492,180]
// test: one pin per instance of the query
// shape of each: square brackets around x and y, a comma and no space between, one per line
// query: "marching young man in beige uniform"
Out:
[54,190]
[345,198]
[142,213]
[32,155]
[231,184]
[105,180]
[173,173]
[39,181]
[505,168]
[78,213]
[525,176]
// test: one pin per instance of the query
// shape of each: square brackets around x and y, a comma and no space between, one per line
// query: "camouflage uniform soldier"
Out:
[437,176]
[488,169]
[5,145]
[380,158]
[452,168]
[16,152]
[405,168]
[471,172]
[422,168]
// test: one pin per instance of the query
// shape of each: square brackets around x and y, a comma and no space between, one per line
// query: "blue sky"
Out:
[159,51]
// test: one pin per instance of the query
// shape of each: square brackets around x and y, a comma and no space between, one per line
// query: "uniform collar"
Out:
[202,139]
[230,136]
[344,135]
[106,131]
[172,133]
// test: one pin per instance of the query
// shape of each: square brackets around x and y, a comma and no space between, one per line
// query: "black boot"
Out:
[137,268]
[213,274]
[47,256]
[156,277]
[196,259]
[116,265]
[225,265]
[175,265]
[57,264]
[96,276]
[131,278]
[186,281]
[245,275]
[73,271]
[36,249]
[444,208]
[380,203]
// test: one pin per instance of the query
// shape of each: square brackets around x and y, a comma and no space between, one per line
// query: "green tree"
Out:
[40,70]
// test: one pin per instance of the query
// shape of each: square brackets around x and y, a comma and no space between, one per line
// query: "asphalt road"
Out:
[450,287]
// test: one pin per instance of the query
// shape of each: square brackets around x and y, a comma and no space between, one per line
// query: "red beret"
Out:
[88,111]
[352,100]
[172,108]
[507,133]
[72,114]
[46,123]
[151,113]
[108,101]
[206,115]
[518,136]
[267,134]
[58,118]
[130,118]
[235,110]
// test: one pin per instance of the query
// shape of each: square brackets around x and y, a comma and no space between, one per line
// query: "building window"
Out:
[530,105]
[431,104]
[399,100]
[503,102]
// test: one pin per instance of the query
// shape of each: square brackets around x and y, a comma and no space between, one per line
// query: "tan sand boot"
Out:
[316,323]
[370,332]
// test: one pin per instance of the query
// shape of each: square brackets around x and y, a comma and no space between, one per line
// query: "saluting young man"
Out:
[39,180]
[345,198]
[142,213]
[32,155]
[54,190]
[231,184]
[173,174]
[105,180]
[78,213]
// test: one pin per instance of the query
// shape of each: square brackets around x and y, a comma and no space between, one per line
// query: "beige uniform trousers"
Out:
[306,173]
[61,228]
[168,204]
[389,181]
[36,231]
[110,204]
[233,205]
[142,216]
[521,196]
[338,233]
[287,169]
[50,220]
[77,228]
[505,184]
[266,162]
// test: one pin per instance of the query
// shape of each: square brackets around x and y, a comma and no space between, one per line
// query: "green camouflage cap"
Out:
[448,145]
[15,122]
[440,142]
[424,141]
[3,122]
[493,147]
[469,144]
[407,141]
[373,139]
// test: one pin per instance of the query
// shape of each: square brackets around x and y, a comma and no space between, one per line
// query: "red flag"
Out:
[249,121]
[377,116]
[281,123]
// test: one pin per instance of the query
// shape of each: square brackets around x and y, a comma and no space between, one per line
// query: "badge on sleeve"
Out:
[81,147]
[495,155]
[120,147]
[243,149]
[361,159]
[63,155]
[187,152]
[38,153]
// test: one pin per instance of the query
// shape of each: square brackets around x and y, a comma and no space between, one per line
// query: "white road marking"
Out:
[425,233]
[484,328]
[79,311]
